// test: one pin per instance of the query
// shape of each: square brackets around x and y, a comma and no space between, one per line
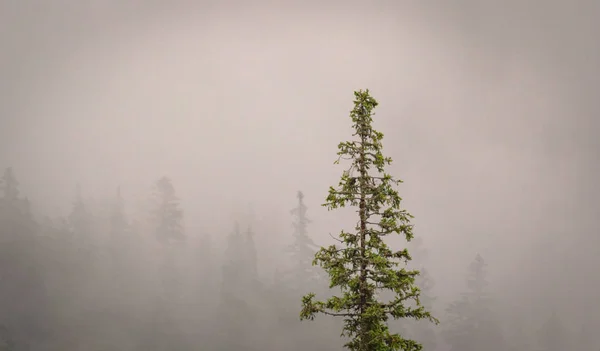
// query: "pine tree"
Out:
[120,246]
[10,185]
[471,323]
[251,257]
[80,221]
[168,221]
[16,220]
[364,264]
[301,272]
[167,214]
[22,288]
[119,234]
[291,280]
[236,314]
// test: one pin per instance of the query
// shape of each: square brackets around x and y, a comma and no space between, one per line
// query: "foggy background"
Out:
[488,110]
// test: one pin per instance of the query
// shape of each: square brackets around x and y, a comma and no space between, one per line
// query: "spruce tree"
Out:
[363,264]
[9,185]
[301,252]
[169,231]
[236,312]
[168,215]
[472,324]
[120,246]
[119,234]
[22,287]
[80,221]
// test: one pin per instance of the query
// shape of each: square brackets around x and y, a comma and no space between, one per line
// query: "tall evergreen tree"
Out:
[120,239]
[9,185]
[17,219]
[22,289]
[471,323]
[364,264]
[236,313]
[301,272]
[292,278]
[168,221]
[80,221]
[168,215]
[251,257]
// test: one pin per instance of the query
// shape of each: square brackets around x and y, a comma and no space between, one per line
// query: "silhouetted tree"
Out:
[471,324]
[9,185]
[296,275]
[303,249]
[80,221]
[364,264]
[167,216]
[22,289]
[299,272]
[237,309]
[120,240]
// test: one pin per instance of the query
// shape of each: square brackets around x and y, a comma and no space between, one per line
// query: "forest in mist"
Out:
[102,278]
[163,168]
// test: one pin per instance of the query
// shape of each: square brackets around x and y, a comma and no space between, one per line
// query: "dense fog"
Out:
[158,158]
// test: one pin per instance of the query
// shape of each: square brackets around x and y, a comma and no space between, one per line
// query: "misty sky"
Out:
[488,109]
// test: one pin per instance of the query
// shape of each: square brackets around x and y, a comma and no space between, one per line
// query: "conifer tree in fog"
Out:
[80,221]
[22,289]
[167,213]
[363,264]
[119,228]
[118,221]
[238,293]
[82,235]
[251,257]
[471,324]
[9,185]
[296,275]
[167,217]
[120,245]
[301,250]
[168,221]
